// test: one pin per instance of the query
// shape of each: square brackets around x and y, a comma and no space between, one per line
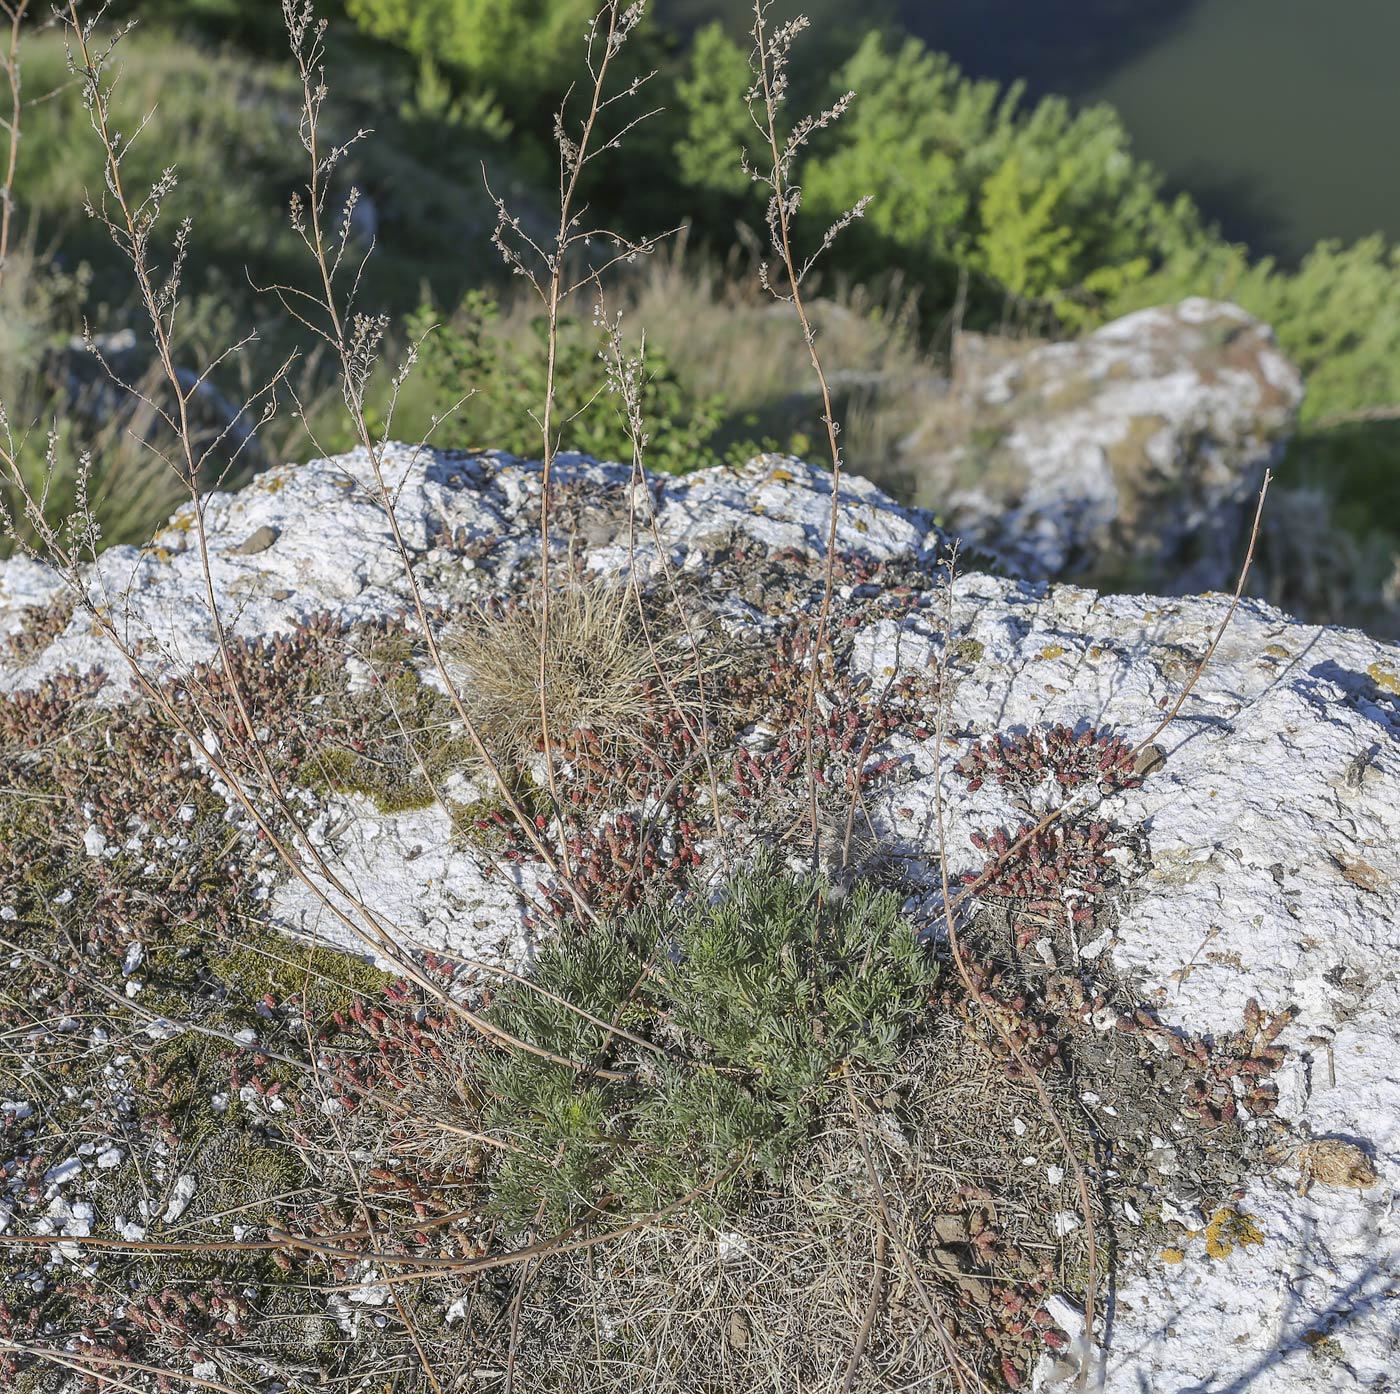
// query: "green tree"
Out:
[1046,202]
[908,139]
[711,99]
[1023,243]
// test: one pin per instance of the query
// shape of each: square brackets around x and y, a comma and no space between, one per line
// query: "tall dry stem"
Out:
[355,341]
[13,12]
[770,63]
[625,373]
[131,221]
[550,269]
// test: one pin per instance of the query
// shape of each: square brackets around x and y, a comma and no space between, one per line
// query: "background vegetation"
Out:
[988,212]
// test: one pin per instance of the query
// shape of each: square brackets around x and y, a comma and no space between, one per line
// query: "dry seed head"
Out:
[1331,1161]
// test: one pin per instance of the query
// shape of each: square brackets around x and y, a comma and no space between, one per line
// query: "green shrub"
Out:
[505,374]
[753,1003]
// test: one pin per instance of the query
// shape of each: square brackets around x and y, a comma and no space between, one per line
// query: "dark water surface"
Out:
[1279,116]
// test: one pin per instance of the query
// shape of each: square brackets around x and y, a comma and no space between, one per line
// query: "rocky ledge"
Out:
[1242,882]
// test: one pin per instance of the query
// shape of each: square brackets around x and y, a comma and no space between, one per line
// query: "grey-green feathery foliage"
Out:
[750,1006]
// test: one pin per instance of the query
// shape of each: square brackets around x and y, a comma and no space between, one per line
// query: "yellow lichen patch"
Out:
[274,481]
[1173,1255]
[1277,651]
[1053,651]
[1384,678]
[781,476]
[1230,1229]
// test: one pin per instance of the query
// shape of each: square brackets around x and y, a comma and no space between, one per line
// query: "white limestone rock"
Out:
[1131,454]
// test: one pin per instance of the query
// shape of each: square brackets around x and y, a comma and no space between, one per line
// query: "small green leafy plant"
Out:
[702,1039]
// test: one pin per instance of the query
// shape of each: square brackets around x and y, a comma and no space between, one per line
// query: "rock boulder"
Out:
[1127,458]
[1257,866]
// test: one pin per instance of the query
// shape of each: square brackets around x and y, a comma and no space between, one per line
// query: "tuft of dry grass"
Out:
[599,668]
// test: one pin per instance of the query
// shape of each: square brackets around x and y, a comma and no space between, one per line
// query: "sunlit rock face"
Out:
[1258,860]
[1128,458]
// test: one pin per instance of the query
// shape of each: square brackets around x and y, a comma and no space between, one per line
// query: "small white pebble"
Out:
[1054,1175]
[79,1223]
[1096,947]
[180,1196]
[66,1170]
[1065,1222]
[1065,1314]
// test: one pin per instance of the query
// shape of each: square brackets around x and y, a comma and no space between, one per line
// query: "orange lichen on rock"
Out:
[1230,1229]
